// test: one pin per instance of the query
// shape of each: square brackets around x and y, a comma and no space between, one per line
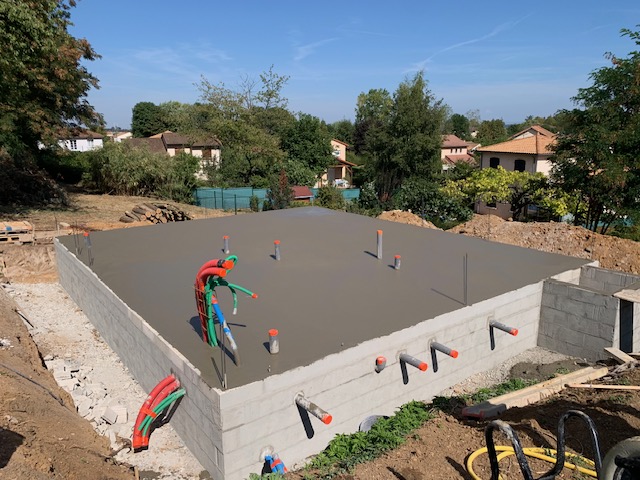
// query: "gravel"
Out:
[65,336]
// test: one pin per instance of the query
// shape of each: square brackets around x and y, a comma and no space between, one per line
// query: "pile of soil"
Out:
[41,435]
[406,217]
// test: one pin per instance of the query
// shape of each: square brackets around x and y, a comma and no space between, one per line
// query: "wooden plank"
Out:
[602,387]
[619,355]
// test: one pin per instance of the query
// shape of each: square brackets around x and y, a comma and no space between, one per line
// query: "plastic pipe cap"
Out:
[273,332]
[514,331]
[454,354]
[423,366]
[326,419]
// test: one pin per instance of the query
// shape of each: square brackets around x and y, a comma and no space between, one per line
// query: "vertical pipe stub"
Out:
[413,361]
[444,349]
[381,362]
[379,244]
[276,244]
[226,244]
[504,328]
[274,343]
[396,262]
[313,409]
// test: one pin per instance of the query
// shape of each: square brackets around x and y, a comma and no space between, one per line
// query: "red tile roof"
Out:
[452,141]
[534,145]
[300,193]
[459,158]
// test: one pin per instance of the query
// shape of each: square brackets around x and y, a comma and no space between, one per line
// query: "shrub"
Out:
[254,203]
[330,197]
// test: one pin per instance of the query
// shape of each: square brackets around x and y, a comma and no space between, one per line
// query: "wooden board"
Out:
[619,355]
[16,232]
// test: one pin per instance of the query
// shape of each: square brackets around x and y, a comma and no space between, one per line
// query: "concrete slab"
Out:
[328,292]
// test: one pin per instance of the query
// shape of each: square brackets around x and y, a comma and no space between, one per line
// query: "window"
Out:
[519,165]
[494,162]
[90,143]
[73,145]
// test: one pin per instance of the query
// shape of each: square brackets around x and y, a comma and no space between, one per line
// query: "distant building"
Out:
[455,150]
[78,140]
[527,151]
[341,172]
[208,151]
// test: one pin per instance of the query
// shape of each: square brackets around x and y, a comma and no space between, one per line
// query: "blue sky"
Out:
[507,60]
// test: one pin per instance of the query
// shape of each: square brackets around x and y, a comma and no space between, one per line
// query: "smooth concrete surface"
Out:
[327,294]
[336,306]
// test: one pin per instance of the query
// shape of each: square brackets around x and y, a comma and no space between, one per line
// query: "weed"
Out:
[620,399]
[484,394]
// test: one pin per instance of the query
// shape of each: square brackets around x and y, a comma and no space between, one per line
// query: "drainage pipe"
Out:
[413,361]
[396,262]
[503,327]
[379,244]
[226,244]
[225,328]
[276,244]
[444,349]
[313,409]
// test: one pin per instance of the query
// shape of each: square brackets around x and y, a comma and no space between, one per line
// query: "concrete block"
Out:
[110,416]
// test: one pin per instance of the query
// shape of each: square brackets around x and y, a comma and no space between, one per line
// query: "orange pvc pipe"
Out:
[164,393]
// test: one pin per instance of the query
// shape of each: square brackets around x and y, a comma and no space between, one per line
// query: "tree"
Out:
[459,126]
[492,131]
[414,138]
[270,95]
[280,193]
[372,116]
[342,130]
[43,85]
[308,142]
[597,156]
[146,120]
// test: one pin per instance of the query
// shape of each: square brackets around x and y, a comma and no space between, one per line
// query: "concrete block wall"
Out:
[347,386]
[605,280]
[578,321]
[149,358]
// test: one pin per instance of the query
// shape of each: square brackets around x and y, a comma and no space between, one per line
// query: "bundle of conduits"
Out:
[159,401]
[211,275]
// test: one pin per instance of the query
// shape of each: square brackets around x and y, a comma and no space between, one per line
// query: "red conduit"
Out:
[164,393]
[137,435]
[216,262]
[212,267]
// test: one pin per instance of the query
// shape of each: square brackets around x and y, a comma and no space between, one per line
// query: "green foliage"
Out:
[280,194]
[346,451]
[342,130]
[67,167]
[330,197]
[491,131]
[400,136]
[23,183]
[597,155]
[520,189]
[43,84]
[308,143]
[267,476]
[459,126]
[254,203]
[147,120]
[427,199]
[123,170]
[484,394]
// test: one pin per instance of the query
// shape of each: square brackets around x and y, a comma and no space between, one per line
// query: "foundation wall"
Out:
[347,386]
[578,321]
[149,358]
[608,281]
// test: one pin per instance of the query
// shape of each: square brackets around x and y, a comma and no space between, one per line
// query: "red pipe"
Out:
[226,264]
[201,279]
[137,434]
[164,393]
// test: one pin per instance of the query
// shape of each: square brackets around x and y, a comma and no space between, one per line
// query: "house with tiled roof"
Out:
[527,151]
[340,173]
[455,150]
[77,139]
[173,143]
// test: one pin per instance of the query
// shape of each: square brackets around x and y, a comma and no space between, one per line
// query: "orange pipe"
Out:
[164,393]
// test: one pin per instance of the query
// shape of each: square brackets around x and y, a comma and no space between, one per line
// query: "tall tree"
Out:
[492,131]
[43,84]
[308,143]
[372,116]
[146,119]
[342,130]
[414,137]
[459,125]
[597,156]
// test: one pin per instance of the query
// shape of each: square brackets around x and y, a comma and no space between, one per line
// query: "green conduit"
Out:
[164,404]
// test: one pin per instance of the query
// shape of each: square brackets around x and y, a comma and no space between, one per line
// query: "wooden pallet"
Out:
[16,232]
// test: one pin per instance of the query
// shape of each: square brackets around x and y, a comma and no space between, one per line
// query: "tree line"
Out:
[395,138]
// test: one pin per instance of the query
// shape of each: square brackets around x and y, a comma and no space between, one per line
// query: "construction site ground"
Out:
[43,437]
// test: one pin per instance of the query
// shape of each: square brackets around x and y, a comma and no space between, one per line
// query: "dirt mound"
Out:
[41,435]
[406,217]
[612,252]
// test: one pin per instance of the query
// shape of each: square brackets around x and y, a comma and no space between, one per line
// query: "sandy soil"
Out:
[32,445]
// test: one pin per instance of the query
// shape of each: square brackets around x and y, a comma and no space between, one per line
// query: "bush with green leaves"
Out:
[122,169]
[426,198]
[330,197]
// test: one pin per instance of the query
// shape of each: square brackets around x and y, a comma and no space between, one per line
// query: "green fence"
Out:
[240,198]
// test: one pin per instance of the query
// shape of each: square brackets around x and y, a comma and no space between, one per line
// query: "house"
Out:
[455,150]
[119,135]
[526,151]
[173,143]
[340,173]
[79,140]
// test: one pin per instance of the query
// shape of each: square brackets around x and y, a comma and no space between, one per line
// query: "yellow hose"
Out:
[539,453]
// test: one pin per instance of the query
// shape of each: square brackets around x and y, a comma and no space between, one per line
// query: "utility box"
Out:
[16,232]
